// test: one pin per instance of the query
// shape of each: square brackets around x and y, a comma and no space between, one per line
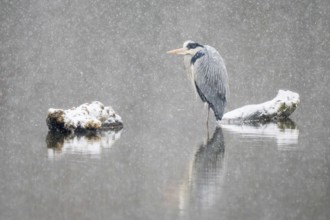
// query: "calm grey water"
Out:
[162,165]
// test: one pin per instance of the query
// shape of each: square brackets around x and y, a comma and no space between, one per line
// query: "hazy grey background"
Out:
[65,53]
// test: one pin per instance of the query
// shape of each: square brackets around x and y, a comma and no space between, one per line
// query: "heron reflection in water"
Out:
[205,176]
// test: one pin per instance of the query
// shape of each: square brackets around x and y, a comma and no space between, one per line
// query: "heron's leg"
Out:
[207,121]
[208,116]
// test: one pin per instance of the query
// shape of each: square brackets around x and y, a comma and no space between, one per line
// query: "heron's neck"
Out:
[198,55]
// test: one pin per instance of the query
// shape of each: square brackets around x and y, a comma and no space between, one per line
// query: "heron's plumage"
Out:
[207,72]
[211,79]
[198,55]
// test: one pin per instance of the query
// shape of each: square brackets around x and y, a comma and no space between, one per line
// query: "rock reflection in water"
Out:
[91,144]
[205,175]
[284,132]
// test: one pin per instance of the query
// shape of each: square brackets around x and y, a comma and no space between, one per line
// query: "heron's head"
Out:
[189,48]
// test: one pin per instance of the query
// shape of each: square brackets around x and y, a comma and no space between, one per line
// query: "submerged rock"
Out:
[86,117]
[281,107]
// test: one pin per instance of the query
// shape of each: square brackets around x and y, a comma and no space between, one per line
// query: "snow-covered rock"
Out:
[92,116]
[282,106]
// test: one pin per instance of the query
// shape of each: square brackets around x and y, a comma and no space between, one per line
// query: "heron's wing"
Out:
[211,80]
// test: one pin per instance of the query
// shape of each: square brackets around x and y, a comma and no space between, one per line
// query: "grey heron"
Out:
[207,72]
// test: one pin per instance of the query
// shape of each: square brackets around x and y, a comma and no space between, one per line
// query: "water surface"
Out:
[162,165]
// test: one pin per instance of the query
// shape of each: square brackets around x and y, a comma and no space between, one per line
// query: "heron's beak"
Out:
[180,51]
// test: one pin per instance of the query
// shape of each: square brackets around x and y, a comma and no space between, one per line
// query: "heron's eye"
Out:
[193,45]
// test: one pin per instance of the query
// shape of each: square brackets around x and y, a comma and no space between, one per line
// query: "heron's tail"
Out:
[219,108]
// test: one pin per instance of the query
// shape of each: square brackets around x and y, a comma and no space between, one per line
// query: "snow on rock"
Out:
[84,117]
[282,106]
